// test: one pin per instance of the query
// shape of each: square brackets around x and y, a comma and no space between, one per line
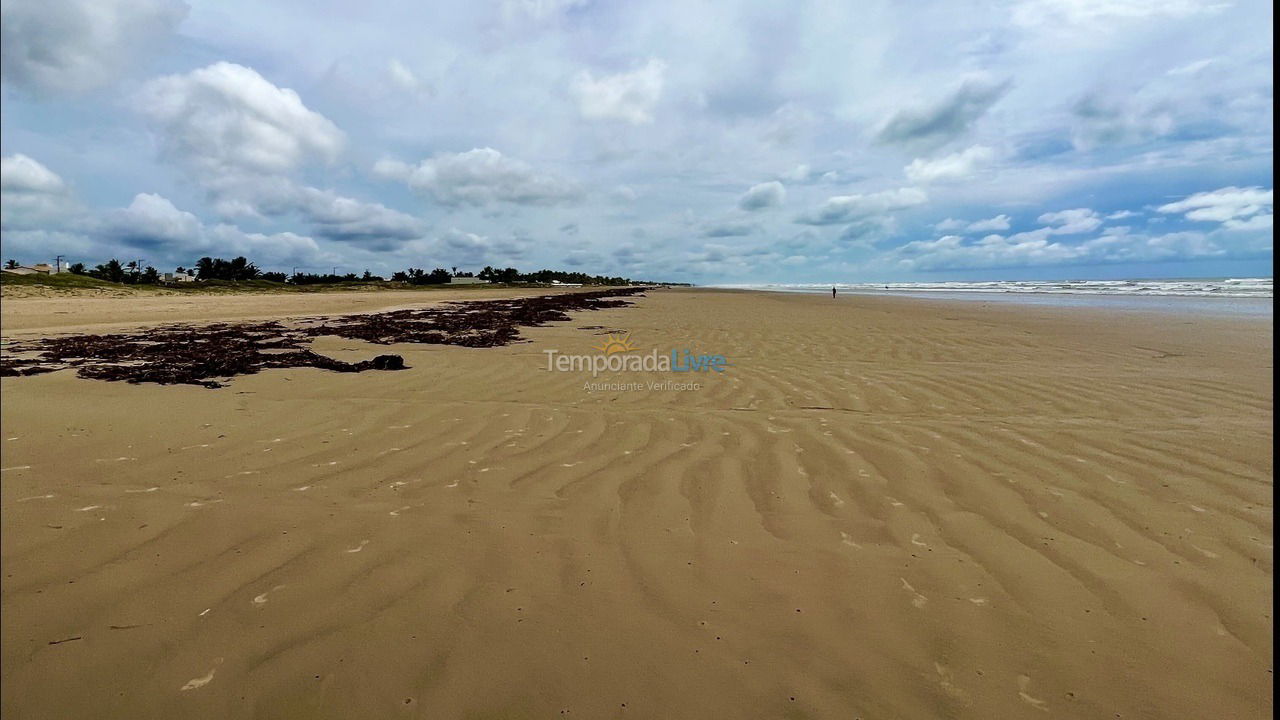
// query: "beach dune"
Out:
[882,508]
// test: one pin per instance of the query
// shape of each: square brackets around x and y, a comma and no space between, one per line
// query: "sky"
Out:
[704,142]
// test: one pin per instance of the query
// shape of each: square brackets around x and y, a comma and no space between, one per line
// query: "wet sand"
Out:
[885,508]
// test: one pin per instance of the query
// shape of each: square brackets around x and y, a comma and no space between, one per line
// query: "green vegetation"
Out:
[61,280]
[216,275]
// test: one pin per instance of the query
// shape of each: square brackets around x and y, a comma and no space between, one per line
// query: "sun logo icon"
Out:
[616,344]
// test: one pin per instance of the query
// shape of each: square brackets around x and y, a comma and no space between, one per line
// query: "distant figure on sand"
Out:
[833,292]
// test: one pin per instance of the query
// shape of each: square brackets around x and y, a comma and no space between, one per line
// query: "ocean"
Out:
[1231,296]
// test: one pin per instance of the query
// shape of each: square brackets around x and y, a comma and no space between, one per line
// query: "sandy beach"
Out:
[883,508]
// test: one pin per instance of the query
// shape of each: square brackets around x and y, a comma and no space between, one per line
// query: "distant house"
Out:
[466,281]
[562,284]
[177,277]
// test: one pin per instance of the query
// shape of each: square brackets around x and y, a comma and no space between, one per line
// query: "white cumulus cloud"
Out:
[1071,222]
[1224,205]
[226,119]
[999,222]
[629,96]
[480,177]
[847,208]
[951,167]
[30,193]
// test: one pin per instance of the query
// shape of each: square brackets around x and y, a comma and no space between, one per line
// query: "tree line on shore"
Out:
[241,269]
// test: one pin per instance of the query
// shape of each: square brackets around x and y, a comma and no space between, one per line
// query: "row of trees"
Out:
[130,273]
[240,268]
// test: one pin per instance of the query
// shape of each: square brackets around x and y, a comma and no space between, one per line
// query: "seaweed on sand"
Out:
[206,355]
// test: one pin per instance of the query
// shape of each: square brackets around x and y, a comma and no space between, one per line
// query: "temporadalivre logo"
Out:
[618,352]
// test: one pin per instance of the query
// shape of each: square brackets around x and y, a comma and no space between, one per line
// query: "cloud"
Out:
[764,195]
[1228,205]
[1068,15]
[729,229]
[470,248]
[867,232]
[70,46]
[950,167]
[1070,222]
[629,96]
[153,225]
[1099,121]
[343,219]
[30,193]
[227,121]
[517,12]
[1193,67]
[999,222]
[404,78]
[847,208]
[19,173]
[946,120]
[953,252]
[152,221]
[480,177]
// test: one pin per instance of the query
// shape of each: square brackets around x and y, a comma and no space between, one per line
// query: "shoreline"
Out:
[1250,306]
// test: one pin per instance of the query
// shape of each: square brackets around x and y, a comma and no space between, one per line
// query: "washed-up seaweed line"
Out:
[207,355]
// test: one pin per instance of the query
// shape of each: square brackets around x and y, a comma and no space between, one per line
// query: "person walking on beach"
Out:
[833,291]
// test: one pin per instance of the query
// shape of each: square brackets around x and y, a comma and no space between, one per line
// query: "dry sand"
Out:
[885,508]
[92,311]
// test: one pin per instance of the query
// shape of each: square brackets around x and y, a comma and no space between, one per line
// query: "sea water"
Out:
[1231,296]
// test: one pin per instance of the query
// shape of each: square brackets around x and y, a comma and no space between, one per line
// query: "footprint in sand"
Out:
[453,484]
[359,547]
[35,497]
[148,490]
[915,540]
[1207,553]
[303,488]
[396,513]
[918,601]
[200,682]
[847,539]
[262,599]
[570,464]
[87,508]
[835,499]
[1024,687]
[893,502]
[948,685]
[978,601]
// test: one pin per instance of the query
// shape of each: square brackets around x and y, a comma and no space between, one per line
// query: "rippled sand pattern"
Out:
[884,509]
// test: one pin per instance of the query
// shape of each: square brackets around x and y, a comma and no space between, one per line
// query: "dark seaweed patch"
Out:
[205,356]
